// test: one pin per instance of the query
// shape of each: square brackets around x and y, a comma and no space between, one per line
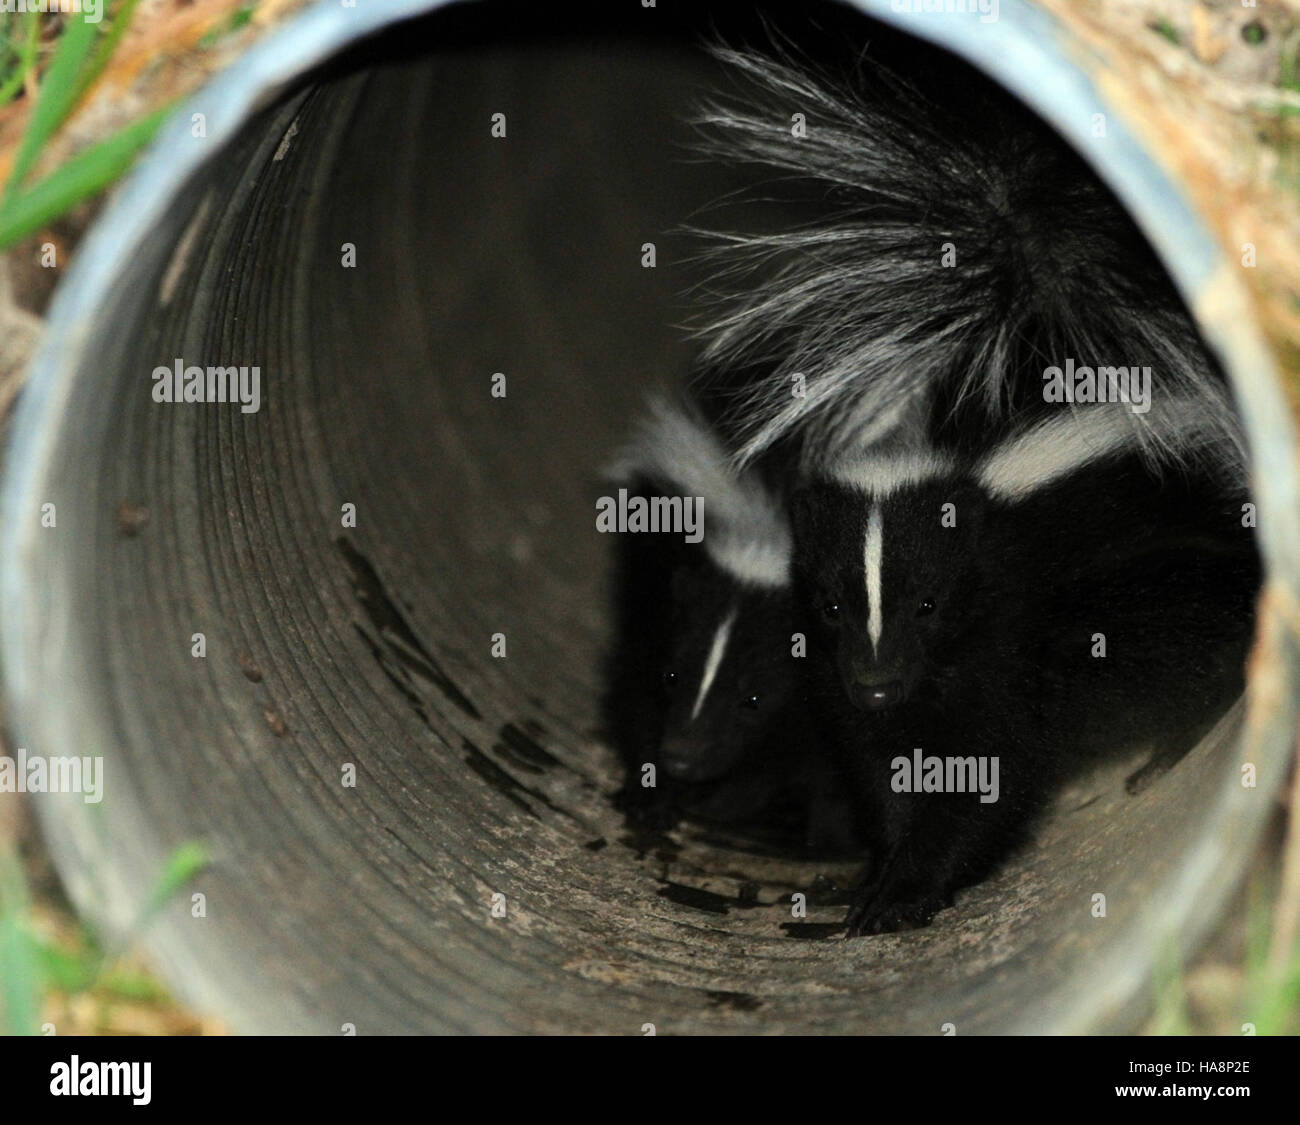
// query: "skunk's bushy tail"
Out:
[965,249]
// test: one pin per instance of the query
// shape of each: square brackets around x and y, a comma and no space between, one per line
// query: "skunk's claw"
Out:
[874,914]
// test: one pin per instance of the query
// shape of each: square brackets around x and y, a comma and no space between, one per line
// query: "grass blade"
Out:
[122,13]
[26,58]
[81,177]
[20,984]
[182,865]
[57,95]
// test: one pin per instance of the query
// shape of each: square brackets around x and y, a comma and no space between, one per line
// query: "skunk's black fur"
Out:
[701,680]
[1161,570]
[957,680]
[957,607]
[963,247]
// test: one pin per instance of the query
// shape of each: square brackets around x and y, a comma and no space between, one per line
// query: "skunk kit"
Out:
[683,519]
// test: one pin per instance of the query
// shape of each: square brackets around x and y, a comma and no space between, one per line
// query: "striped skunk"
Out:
[979,505]
[908,648]
[1145,587]
[956,606]
[701,680]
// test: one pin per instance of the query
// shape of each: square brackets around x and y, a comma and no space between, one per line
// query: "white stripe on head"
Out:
[879,475]
[873,557]
[714,661]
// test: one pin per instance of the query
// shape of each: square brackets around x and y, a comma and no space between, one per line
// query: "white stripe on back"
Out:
[714,662]
[755,562]
[1051,450]
[873,558]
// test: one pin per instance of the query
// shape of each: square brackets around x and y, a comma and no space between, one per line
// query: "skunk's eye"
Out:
[831,611]
[670,680]
[925,608]
[750,703]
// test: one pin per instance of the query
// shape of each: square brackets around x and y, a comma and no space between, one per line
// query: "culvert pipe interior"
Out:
[353,549]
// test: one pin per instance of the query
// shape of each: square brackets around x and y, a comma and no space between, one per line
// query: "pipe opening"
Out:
[359,550]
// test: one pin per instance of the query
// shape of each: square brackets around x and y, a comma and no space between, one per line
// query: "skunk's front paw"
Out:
[876,912]
[649,808]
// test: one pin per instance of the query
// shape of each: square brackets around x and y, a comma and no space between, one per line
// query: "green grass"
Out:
[80,53]
[1171,1016]
[18,54]
[1279,127]
[1163,27]
[31,966]
[1270,995]
[1267,998]
[239,18]
[20,973]
[1289,77]
[82,177]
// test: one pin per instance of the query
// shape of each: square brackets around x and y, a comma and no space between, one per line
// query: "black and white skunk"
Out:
[985,508]
[910,649]
[704,699]
[1144,583]
[1025,611]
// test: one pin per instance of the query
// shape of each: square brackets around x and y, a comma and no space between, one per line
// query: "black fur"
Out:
[969,679]
[746,760]
[988,635]
[1165,569]
[960,247]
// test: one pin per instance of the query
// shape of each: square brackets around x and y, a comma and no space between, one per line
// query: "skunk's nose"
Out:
[877,696]
[681,759]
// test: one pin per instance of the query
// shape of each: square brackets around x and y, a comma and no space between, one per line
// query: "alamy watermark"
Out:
[931,774]
[180,383]
[986,10]
[35,773]
[1081,383]
[76,1078]
[91,10]
[681,515]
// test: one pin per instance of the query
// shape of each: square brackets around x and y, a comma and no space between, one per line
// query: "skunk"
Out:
[1145,584]
[954,604]
[974,514]
[908,648]
[701,680]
